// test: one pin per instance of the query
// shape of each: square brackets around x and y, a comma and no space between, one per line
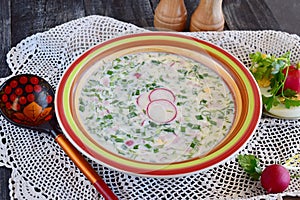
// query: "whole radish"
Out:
[293,78]
[275,178]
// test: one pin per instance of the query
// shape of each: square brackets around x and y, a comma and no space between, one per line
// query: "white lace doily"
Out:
[41,170]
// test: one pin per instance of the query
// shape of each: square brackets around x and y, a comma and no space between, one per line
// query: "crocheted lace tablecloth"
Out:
[41,170]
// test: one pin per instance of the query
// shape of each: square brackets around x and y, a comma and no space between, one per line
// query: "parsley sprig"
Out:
[250,165]
[268,72]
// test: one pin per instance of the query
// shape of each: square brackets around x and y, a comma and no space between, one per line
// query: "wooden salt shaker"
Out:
[208,16]
[170,15]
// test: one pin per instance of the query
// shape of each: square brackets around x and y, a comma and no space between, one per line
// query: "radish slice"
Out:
[162,93]
[161,111]
[143,100]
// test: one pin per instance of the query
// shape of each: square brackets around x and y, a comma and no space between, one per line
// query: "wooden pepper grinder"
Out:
[208,16]
[170,15]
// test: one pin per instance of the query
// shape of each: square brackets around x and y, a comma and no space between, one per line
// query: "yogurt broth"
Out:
[156,107]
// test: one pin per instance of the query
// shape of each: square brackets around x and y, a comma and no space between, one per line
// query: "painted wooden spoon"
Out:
[28,101]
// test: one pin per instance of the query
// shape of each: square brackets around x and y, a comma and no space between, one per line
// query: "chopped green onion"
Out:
[109,72]
[81,108]
[182,129]
[199,117]
[119,140]
[108,116]
[131,115]
[157,62]
[171,130]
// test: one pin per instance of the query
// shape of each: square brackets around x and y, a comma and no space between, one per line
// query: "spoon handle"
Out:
[85,167]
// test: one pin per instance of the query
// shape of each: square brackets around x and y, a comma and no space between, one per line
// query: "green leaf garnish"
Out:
[289,93]
[268,72]
[290,102]
[250,164]
[270,101]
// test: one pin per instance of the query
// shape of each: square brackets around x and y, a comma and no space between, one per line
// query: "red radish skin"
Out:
[161,111]
[293,78]
[275,178]
[162,93]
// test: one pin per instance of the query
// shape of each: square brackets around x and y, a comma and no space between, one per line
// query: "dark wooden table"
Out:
[22,18]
